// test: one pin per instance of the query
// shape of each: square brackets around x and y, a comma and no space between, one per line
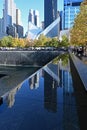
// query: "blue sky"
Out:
[24,6]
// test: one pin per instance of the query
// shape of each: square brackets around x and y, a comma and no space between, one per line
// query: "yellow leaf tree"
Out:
[78,33]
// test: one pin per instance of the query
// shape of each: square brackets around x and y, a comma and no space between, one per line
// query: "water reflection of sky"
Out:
[41,102]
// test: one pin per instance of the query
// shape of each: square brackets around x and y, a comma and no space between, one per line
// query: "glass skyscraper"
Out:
[9,13]
[34,17]
[68,11]
[71,9]
[12,24]
[50,12]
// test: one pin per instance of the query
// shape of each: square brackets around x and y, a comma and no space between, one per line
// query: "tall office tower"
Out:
[61,12]
[1,25]
[12,19]
[42,25]
[31,16]
[71,9]
[19,23]
[9,13]
[34,17]
[18,17]
[50,12]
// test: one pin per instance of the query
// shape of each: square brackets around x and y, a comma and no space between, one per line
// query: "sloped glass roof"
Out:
[52,29]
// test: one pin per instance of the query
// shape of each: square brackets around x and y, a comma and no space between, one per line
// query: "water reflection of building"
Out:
[34,81]
[69,107]
[42,72]
[1,100]
[64,76]
[10,97]
[50,93]
[60,73]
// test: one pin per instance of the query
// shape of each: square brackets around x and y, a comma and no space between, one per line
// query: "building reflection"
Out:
[53,89]
[69,107]
[10,97]
[61,72]
[1,101]
[67,98]
[50,93]
[34,81]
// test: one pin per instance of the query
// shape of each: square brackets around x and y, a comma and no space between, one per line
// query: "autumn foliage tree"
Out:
[41,40]
[78,33]
[9,41]
[6,41]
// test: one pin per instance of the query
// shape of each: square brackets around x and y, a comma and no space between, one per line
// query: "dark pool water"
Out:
[44,101]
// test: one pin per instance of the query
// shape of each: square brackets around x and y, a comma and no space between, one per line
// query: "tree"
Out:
[28,43]
[64,42]
[41,40]
[78,33]
[3,42]
[19,42]
[10,41]
[6,41]
[53,42]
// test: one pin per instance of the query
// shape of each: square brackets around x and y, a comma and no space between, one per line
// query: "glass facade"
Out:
[68,13]
[71,9]
[50,11]
[52,30]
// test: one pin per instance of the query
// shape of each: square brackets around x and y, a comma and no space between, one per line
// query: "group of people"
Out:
[80,51]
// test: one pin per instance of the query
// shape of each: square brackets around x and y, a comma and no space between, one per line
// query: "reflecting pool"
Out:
[44,101]
[11,76]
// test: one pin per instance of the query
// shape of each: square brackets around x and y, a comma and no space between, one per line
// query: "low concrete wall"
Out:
[35,58]
[80,68]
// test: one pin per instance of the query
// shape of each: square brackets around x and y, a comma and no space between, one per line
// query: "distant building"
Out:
[68,11]
[11,20]
[50,12]
[52,30]
[61,13]
[11,30]
[18,17]
[20,31]
[1,25]
[19,24]
[33,31]
[31,16]
[9,13]
[71,9]
[33,24]
[42,24]
[2,34]
[34,17]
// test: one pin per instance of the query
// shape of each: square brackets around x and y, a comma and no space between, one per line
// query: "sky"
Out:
[24,6]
